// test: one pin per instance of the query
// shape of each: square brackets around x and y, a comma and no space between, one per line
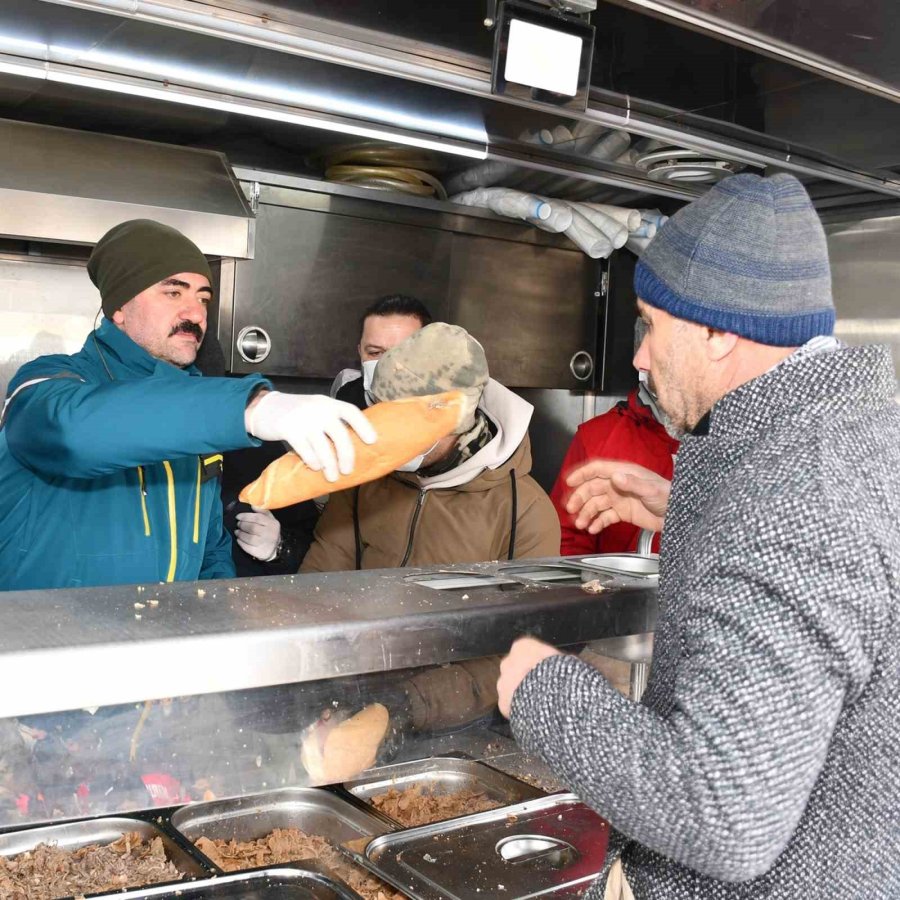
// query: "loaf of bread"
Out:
[339,753]
[405,428]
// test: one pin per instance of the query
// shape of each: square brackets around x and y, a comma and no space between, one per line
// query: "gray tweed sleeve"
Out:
[717,780]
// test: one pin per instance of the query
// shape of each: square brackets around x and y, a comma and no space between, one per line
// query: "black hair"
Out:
[397,305]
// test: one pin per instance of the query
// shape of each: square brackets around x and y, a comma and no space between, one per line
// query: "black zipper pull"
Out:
[420,502]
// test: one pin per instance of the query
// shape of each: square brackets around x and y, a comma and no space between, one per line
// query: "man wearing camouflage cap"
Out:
[109,457]
[469,498]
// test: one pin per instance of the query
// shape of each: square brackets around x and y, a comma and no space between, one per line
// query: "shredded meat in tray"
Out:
[48,872]
[415,806]
[290,845]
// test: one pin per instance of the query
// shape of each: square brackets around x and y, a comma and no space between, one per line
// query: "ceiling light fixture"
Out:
[174,94]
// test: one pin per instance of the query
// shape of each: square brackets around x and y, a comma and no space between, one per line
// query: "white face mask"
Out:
[416,462]
[648,398]
[368,374]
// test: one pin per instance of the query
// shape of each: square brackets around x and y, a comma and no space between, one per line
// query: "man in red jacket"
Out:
[633,431]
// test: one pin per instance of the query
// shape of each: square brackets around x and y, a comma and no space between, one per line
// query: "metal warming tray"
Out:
[441,775]
[631,564]
[270,884]
[311,810]
[536,848]
[74,835]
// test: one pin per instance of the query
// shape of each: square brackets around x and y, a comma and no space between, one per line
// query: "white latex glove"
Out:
[258,533]
[315,427]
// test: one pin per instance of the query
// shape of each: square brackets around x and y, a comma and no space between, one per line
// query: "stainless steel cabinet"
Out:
[325,252]
[313,275]
[531,307]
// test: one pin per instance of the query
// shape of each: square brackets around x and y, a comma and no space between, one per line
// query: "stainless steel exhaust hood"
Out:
[70,186]
[856,45]
[257,63]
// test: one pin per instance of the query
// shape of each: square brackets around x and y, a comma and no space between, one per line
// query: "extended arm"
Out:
[719,781]
[63,426]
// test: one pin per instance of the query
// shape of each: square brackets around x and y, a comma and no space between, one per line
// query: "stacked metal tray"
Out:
[552,843]
[440,775]
[74,835]
[530,845]
[281,883]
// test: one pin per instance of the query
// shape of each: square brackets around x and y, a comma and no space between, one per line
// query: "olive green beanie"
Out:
[137,254]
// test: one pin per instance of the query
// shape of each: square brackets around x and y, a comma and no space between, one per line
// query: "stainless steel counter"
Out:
[72,649]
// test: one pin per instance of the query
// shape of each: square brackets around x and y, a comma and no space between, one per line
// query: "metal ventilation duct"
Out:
[72,186]
[674,165]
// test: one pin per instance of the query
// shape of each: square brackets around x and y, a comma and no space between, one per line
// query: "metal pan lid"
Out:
[528,850]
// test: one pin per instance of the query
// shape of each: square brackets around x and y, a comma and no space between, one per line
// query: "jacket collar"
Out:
[123,359]
[701,429]
[510,415]
[635,407]
[808,387]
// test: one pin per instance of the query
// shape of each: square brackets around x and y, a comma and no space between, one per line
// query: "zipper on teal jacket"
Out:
[143,488]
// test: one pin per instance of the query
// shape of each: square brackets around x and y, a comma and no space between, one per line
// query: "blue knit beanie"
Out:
[748,257]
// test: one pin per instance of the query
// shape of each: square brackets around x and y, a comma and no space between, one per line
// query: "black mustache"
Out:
[188,328]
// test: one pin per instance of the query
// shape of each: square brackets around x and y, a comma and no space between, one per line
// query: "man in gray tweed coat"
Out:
[764,758]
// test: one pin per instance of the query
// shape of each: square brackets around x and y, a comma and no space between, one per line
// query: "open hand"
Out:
[607,491]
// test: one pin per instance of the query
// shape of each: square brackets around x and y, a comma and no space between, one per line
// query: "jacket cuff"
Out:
[247,387]
[533,709]
[552,704]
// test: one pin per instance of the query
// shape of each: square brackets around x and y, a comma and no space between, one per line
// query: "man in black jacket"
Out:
[384,324]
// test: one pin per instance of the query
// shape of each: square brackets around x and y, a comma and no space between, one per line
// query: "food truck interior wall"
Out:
[49,305]
[655,62]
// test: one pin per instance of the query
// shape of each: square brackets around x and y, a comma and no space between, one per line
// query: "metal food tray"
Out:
[312,810]
[74,835]
[631,565]
[554,573]
[442,775]
[551,845]
[269,884]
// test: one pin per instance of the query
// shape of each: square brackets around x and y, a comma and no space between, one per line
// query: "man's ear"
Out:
[118,317]
[719,344]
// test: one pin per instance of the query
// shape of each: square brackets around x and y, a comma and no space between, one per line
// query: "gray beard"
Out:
[648,398]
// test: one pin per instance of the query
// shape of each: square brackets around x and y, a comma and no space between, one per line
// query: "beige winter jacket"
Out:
[465,515]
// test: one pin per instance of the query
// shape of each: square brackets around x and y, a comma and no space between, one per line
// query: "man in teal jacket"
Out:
[109,458]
